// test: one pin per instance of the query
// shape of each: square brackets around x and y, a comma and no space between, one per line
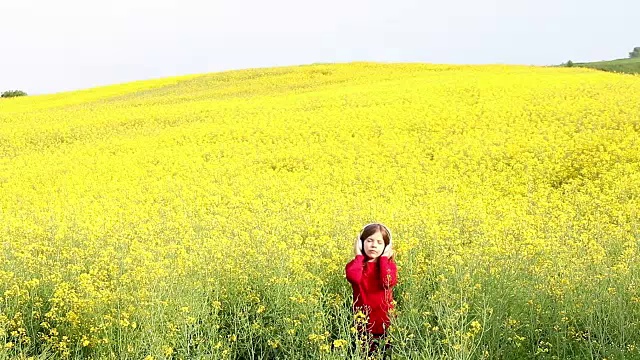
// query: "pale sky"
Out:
[51,46]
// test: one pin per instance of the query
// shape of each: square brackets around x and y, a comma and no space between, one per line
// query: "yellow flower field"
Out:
[211,216]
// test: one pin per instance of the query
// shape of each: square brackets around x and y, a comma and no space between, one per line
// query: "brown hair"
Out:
[371,229]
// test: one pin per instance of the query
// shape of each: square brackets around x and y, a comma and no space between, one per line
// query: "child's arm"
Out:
[354,269]
[388,272]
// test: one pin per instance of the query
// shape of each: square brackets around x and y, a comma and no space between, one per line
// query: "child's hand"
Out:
[388,252]
[357,247]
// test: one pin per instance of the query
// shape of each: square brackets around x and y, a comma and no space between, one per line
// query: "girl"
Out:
[373,274]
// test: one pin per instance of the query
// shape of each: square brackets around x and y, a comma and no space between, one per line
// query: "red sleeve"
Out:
[354,269]
[388,272]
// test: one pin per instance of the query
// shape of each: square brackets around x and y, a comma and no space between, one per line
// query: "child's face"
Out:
[373,245]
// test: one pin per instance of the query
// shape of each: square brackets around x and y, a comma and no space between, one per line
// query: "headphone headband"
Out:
[386,228]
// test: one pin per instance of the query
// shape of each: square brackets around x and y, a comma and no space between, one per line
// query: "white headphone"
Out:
[362,231]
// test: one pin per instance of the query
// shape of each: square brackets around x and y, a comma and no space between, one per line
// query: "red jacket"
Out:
[372,284]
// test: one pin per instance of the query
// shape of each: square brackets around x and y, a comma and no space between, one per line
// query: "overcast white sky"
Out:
[51,46]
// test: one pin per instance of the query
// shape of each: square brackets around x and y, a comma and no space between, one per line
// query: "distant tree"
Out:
[569,63]
[635,53]
[13,93]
